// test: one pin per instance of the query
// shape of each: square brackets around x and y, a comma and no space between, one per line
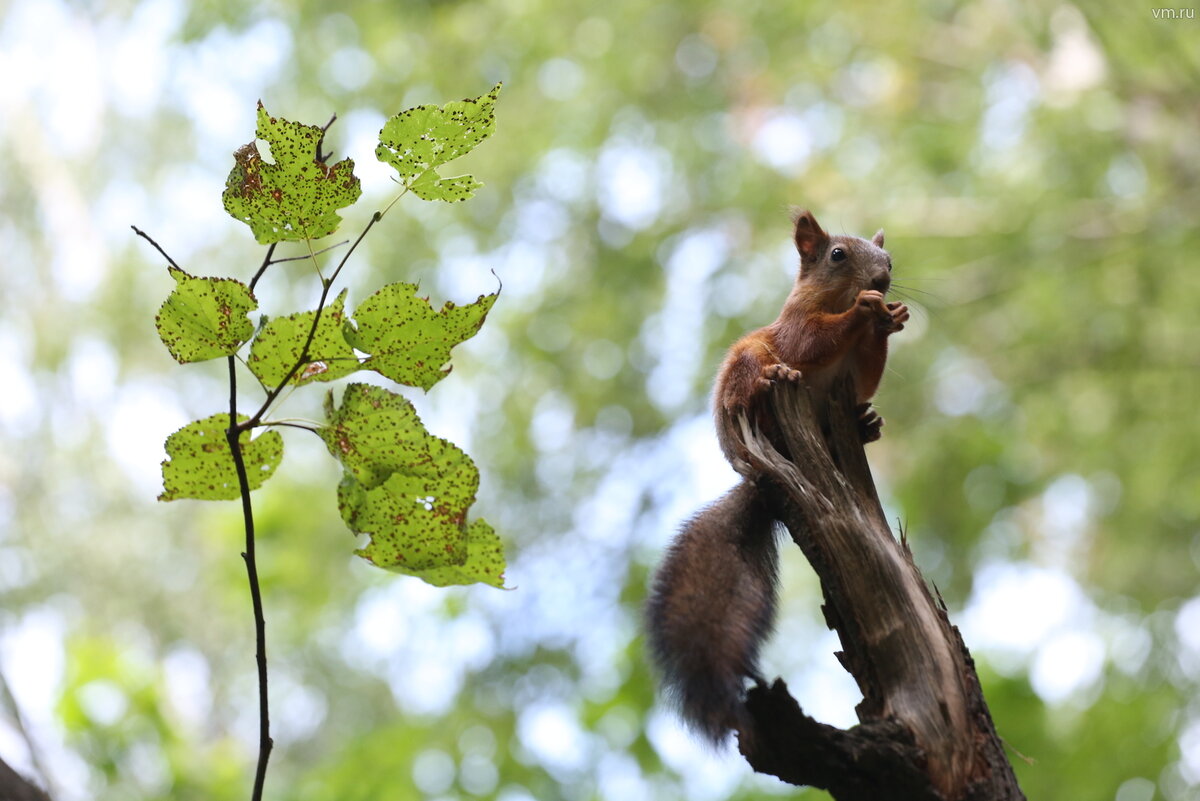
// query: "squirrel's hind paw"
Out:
[869,422]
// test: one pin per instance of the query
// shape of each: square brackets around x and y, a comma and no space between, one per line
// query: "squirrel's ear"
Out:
[877,240]
[810,239]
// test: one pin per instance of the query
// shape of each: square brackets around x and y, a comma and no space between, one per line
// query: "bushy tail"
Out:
[711,606]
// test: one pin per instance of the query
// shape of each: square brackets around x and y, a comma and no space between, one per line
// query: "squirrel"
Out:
[712,601]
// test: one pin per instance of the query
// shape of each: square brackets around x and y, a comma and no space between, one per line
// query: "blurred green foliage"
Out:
[1037,172]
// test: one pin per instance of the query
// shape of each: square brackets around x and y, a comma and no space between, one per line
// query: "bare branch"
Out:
[157,247]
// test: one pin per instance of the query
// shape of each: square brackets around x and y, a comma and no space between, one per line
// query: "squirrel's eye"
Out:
[838,254]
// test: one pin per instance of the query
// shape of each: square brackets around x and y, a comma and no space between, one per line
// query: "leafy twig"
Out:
[265,743]
[195,325]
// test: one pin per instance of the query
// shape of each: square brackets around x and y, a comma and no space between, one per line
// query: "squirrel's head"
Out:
[834,269]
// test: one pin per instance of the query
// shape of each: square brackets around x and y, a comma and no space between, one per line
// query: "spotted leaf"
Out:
[484,564]
[200,465]
[292,196]
[407,340]
[204,318]
[419,140]
[406,530]
[277,347]
[407,489]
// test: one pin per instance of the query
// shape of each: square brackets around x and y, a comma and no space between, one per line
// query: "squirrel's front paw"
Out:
[870,302]
[869,422]
[781,372]
[898,313]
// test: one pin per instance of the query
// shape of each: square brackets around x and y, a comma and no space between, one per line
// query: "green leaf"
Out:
[419,140]
[409,490]
[484,565]
[278,345]
[293,197]
[430,187]
[407,340]
[200,465]
[377,433]
[204,318]
[408,531]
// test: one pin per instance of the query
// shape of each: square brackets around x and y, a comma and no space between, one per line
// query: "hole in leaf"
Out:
[264,151]
[314,368]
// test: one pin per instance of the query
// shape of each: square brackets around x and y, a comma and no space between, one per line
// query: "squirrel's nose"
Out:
[881,283]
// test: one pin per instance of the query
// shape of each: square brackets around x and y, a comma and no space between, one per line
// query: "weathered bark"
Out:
[925,730]
[15,787]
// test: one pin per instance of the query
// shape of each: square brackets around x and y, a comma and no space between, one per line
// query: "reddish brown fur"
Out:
[833,321]
[712,603]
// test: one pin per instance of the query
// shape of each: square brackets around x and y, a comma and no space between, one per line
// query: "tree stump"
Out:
[925,731]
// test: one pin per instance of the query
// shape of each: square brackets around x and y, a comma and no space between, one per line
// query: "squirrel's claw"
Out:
[899,315]
[781,372]
[869,422]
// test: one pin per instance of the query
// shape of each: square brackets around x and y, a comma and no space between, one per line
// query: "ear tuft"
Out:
[810,239]
[877,240]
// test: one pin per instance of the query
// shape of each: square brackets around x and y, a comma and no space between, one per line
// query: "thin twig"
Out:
[324,157]
[266,263]
[265,743]
[157,247]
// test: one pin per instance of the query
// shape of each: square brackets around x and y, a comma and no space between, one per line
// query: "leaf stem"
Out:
[318,253]
[307,425]
[313,257]
[394,201]
[287,394]
[265,743]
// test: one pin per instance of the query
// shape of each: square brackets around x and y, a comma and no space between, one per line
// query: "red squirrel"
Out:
[712,601]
